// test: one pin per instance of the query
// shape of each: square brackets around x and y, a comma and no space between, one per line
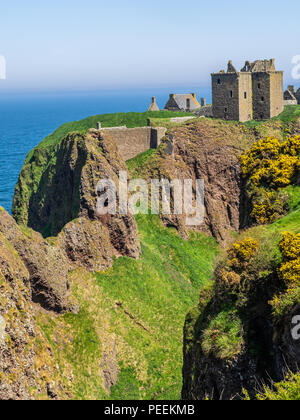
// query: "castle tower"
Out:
[256,92]
[232,94]
[267,86]
[153,106]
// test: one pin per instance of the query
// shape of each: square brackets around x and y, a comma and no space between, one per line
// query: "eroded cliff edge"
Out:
[56,196]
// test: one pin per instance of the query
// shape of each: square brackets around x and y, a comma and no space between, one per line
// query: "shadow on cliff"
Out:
[57,198]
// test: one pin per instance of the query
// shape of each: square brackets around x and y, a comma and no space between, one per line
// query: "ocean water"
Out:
[25,119]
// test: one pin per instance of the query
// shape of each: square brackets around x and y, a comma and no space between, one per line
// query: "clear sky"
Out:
[96,44]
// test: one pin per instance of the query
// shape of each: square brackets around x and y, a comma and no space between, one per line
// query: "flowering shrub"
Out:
[269,166]
[269,206]
[290,268]
[241,253]
[272,163]
[239,257]
[289,272]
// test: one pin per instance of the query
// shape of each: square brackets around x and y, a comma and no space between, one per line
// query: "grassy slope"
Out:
[141,305]
[130,119]
[290,113]
[268,237]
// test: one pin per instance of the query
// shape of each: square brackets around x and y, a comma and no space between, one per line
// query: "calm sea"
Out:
[25,119]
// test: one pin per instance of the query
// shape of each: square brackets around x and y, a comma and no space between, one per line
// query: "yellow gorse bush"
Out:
[272,162]
[269,166]
[289,272]
[267,209]
[242,252]
[290,267]
[290,246]
[239,256]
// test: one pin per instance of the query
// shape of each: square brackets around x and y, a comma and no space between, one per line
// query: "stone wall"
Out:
[133,141]
[261,96]
[245,97]
[225,93]
[276,83]
[205,111]
[254,93]
[267,95]
[232,96]
[290,102]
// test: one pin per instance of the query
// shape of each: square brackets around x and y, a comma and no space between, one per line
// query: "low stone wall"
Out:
[133,141]
[290,102]
[181,119]
[205,111]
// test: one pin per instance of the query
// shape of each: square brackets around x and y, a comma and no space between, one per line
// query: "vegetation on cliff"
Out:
[131,318]
[134,280]
[239,336]
[270,166]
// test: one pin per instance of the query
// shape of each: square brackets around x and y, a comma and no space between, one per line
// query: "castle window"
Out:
[262,98]
[245,95]
[225,109]
[219,81]
[259,85]
[231,94]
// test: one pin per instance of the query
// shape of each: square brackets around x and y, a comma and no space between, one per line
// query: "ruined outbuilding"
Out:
[182,102]
[289,96]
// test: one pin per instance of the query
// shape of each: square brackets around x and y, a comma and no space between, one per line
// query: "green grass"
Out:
[140,160]
[223,337]
[166,122]
[288,390]
[77,350]
[137,307]
[157,291]
[130,119]
[290,113]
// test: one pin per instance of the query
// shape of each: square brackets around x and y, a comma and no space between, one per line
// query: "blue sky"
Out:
[95,44]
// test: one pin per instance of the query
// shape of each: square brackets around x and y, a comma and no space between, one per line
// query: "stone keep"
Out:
[256,92]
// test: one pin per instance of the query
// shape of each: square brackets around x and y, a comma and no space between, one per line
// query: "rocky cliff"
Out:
[209,150]
[239,337]
[56,195]
[234,341]
[54,191]
[91,324]
[27,368]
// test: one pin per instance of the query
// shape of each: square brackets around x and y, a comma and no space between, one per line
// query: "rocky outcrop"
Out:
[260,351]
[27,370]
[269,355]
[47,265]
[63,201]
[209,150]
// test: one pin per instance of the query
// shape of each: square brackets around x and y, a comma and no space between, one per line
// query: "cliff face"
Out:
[267,353]
[208,150]
[51,195]
[56,195]
[27,369]
[47,265]
[106,341]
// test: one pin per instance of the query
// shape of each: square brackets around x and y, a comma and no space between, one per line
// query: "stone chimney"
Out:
[272,63]
[153,106]
[172,95]
[194,95]
[203,101]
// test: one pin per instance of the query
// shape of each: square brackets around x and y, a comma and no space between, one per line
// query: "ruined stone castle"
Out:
[255,92]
